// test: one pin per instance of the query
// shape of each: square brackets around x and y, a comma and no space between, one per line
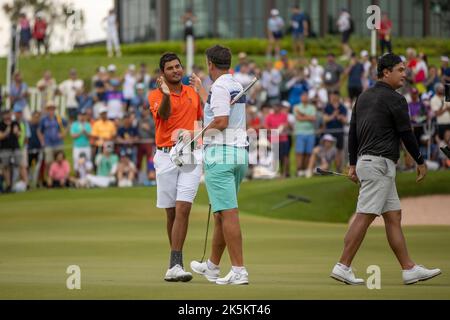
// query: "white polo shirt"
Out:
[223,90]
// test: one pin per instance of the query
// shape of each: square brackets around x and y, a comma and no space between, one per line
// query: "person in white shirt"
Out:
[275,26]
[129,83]
[270,81]
[68,89]
[243,76]
[225,165]
[441,111]
[112,34]
[344,24]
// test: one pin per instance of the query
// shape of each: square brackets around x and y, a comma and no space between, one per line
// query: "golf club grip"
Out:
[240,94]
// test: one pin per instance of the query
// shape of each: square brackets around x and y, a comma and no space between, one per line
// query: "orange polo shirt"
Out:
[186,109]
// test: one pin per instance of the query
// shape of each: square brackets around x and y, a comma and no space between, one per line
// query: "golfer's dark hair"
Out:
[167,57]
[219,56]
[387,61]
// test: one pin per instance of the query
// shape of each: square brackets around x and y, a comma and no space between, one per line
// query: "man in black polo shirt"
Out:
[379,121]
[9,146]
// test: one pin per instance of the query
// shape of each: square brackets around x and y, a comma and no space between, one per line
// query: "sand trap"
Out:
[426,210]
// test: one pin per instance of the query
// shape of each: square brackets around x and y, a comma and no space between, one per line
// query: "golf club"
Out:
[329,173]
[290,199]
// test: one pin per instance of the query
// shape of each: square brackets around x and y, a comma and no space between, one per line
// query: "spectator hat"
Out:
[242,55]
[444,59]
[328,137]
[274,12]
[285,104]
[112,68]
[131,67]
[103,109]
[50,104]
[283,53]
[425,96]
[140,86]
[102,69]
[364,53]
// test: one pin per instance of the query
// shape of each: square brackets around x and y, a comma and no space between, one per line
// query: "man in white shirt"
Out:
[112,34]
[441,111]
[68,89]
[270,81]
[275,26]
[225,165]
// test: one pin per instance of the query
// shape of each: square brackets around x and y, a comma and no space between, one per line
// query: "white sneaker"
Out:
[234,278]
[202,268]
[177,273]
[419,273]
[308,174]
[301,173]
[346,276]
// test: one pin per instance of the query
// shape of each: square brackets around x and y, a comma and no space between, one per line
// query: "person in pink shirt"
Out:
[278,120]
[58,175]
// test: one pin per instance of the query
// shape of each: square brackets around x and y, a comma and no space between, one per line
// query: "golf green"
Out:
[117,237]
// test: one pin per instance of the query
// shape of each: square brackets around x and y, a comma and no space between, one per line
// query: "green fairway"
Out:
[118,239]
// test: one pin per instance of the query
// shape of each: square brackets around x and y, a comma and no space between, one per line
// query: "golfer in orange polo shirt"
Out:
[174,107]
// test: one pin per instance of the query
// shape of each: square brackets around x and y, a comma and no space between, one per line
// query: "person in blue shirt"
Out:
[296,86]
[52,130]
[355,72]
[128,137]
[335,118]
[299,24]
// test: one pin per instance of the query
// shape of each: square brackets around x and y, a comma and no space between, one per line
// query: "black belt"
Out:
[164,149]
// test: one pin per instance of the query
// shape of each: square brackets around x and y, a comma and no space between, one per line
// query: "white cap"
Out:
[364,53]
[274,12]
[102,69]
[425,96]
[328,137]
[112,67]
[444,59]
[140,86]
[102,109]
[131,67]
[285,104]
[403,58]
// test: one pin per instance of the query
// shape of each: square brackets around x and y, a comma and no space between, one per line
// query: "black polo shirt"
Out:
[379,116]
[11,141]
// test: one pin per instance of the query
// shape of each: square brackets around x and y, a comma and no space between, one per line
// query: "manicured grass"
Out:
[118,239]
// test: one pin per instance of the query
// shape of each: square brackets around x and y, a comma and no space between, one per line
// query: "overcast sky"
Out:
[94,11]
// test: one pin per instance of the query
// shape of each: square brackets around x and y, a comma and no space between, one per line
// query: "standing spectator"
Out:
[418,114]
[129,83]
[99,98]
[316,72]
[355,72]
[335,118]
[146,130]
[69,89]
[52,130]
[58,175]
[140,101]
[84,100]
[23,144]
[300,31]
[188,19]
[242,57]
[420,73]
[127,137]
[297,86]
[445,70]
[278,120]
[103,130]
[100,75]
[112,26]
[365,61]
[384,33]
[25,34]
[441,111]
[243,75]
[40,33]
[143,76]
[80,131]
[126,170]
[372,76]
[275,26]
[35,155]
[47,87]
[270,81]
[305,115]
[432,80]
[10,155]
[345,27]
[115,101]
[332,74]
[18,95]
[106,163]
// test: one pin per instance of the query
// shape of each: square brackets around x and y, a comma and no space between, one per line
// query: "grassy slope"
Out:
[118,239]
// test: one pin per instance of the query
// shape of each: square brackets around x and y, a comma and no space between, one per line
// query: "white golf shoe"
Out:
[234,278]
[419,273]
[177,273]
[346,276]
[202,268]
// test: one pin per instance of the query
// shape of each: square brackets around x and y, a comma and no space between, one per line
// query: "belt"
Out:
[164,149]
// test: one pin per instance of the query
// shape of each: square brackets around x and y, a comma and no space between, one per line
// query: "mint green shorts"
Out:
[225,167]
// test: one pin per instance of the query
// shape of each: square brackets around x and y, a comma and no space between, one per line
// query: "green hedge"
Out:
[314,47]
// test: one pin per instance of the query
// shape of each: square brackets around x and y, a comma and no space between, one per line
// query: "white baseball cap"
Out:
[328,137]
[112,67]
[274,12]
[103,109]
[364,53]
[131,67]
[444,59]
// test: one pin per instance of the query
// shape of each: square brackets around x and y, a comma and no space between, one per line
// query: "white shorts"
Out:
[378,193]
[172,184]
